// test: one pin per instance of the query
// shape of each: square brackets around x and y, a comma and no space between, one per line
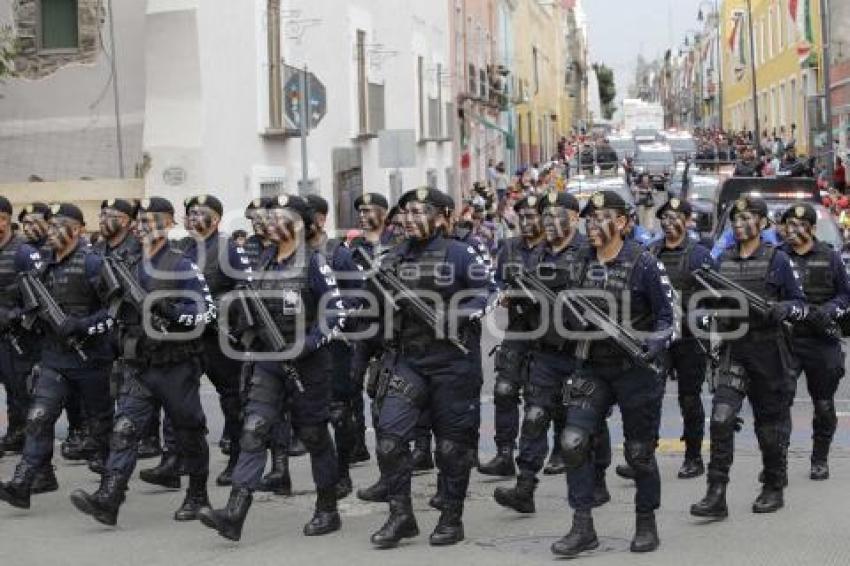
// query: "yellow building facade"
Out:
[539,93]
[788,62]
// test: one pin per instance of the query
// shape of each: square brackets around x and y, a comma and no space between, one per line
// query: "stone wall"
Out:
[30,63]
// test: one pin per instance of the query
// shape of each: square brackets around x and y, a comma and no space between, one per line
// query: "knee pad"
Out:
[316,438]
[724,418]
[123,434]
[641,456]
[575,445]
[534,422]
[453,457]
[505,392]
[255,433]
[37,419]
[391,453]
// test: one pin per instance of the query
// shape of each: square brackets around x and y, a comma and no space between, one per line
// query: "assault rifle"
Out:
[129,290]
[36,298]
[258,317]
[530,283]
[392,288]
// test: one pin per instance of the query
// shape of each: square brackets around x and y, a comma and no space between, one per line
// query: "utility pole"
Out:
[304,189]
[827,86]
[756,126]
[116,100]
[719,65]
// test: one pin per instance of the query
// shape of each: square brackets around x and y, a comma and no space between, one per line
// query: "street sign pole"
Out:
[305,128]
[826,33]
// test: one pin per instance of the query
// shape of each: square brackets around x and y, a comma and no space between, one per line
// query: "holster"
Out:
[508,363]
[577,390]
[730,374]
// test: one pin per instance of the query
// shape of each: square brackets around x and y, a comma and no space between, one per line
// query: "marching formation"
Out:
[293,326]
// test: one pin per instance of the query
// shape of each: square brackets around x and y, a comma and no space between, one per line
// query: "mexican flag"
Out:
[801,13]
[737,46]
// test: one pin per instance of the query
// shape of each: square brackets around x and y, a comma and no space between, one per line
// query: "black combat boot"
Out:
[166,474]
[438,501]
[344,485]
[326,517]
[646,533]
[277,480]
[449,529]
[71,447]
[44,481]
[519,498]
[820,459]
[769,500]
[104,503]
[225,478]
[17,491]
[556,464]
[691,468]
[713,505]
[360,453]
[502,463]
[421,457]
[375,493]
[149,447]
[196,499]
[601,496]
[296,448]
[625,471]
[228,521]
[97,464]
[582,536]
[400,524]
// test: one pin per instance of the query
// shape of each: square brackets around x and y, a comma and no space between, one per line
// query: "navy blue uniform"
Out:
[74,283]
[430,374]
[756,366]
[223,265]
[688,358]
[607,376]
[825,283]
[19,349]
[163,372]
[308,283]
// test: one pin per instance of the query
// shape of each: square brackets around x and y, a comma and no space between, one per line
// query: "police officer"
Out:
[33,221]
[19,349]
[338,256]
[817,340]
[550,358]
[222,264]
[306,285]
[636,284]
[73,356]
[257,243]
[117,241]
[681,256]
[160,350]
[754,365]
[430,371]
[791,166]
[511,362]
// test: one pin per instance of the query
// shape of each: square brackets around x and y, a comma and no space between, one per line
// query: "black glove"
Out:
[784,310]
[818,319]
[72,326]
[9,317]
[655,347]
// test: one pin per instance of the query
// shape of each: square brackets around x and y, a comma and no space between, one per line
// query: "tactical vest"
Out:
[291,299]
[156,352]
[557,275]
[677,265]
[218,282]
[751,274]
[817,278]
[617,280]
[254,250]
[129,250]
[8,273]
[423,274]
[68,283]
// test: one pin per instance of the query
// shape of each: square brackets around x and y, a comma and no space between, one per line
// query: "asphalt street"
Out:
[811,529]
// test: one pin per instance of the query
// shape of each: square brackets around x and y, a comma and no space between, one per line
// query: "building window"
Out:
[376,108]
[271,188]
[58,25]
[473,80]
[482,84]
[362,86]
[434,119]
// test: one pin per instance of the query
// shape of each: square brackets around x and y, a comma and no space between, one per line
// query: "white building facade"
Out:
[216,110]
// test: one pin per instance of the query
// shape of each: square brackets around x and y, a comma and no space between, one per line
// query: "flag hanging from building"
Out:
[737,47]
[801,13]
